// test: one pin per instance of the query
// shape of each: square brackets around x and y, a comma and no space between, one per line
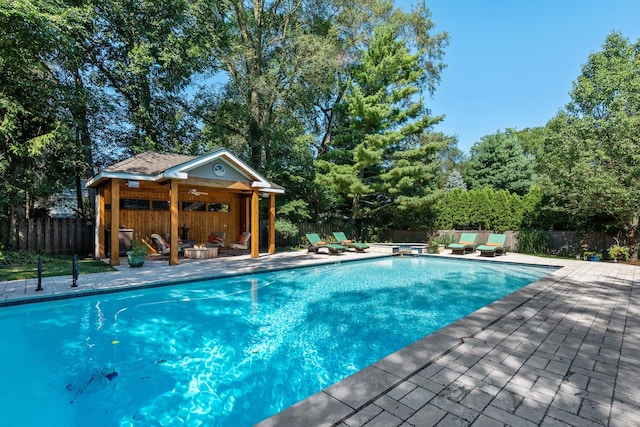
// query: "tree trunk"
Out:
[632,238]
[355,212]
[84,168]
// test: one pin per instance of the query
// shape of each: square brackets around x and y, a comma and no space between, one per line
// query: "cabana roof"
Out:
[160,167]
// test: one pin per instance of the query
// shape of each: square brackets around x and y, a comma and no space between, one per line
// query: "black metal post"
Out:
[39,288]
[75,272]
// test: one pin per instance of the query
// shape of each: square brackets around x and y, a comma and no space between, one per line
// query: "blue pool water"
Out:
[228,352]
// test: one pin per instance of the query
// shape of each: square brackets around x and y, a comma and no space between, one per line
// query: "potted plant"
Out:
[592,256]
[433,247]
[137,252]
[617,252]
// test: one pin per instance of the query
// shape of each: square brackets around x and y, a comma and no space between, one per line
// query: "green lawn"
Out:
[22,265]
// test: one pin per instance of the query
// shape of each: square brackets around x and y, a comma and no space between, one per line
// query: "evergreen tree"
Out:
[383,159]
[499,162]
[37,150]
[454,180]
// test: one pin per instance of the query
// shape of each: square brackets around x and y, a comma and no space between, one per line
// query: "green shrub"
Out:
[286,228]
[533,242]
[617,252]
[445,239]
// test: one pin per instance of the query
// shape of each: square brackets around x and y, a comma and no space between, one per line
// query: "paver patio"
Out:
[564,350]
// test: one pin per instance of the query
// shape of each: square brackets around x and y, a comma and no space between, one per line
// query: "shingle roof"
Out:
[153,166]
[149,163]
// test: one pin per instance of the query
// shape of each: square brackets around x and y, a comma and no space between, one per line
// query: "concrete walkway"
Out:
[564,350]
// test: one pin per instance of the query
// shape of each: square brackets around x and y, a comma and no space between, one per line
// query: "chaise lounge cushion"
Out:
[494,246]
[315,244]
[342,239]
[465,244]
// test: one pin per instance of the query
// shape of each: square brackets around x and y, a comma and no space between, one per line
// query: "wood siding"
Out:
[145,222]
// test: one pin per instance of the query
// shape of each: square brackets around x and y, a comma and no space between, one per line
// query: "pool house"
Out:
[181,198]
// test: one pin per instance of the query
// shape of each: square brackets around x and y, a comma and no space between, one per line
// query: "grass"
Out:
[24,265]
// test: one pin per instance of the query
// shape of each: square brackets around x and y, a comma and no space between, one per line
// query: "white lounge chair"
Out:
[242,242]
[162,247]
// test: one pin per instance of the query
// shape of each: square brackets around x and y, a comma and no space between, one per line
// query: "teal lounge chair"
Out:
[494,245]
[316,243]
[465,244]
[342,239]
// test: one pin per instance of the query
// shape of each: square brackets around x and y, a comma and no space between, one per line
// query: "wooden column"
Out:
[115,222]
[100,236]
[173,223]
[272,223]
[255,223]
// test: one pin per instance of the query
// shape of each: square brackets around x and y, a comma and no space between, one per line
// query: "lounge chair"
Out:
[242,242]
[316,243]
[342,240]
[465,244]
[216,239]
[162,247]
[494,245]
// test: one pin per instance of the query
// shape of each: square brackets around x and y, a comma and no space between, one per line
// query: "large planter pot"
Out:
[135,260]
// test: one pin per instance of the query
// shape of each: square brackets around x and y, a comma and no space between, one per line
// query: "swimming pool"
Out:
[231,351]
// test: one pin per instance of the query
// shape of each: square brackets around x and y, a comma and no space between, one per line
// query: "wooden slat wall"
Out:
[200,224]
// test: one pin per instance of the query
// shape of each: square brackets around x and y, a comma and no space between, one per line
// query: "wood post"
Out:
[115,222]
[255,223]
[173,223]
[272,223]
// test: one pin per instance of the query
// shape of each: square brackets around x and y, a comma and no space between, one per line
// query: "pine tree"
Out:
[382,158]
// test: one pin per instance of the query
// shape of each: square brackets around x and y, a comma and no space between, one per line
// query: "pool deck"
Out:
[562,351]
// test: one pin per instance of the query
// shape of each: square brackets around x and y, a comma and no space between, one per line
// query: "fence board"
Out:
[57,236]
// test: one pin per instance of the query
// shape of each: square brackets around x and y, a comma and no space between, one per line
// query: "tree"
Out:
[140,58]
[454,180]
[382,159]
[498,162]
[486,209]
[269,55]
[592,160]
[37,150]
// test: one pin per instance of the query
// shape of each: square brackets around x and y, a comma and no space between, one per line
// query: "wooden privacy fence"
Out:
[566,243]
[324,230]
[69,236]
[56,236]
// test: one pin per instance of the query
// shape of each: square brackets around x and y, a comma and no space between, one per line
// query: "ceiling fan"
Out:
[195,192]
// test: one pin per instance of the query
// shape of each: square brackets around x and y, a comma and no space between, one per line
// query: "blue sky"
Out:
[511,63]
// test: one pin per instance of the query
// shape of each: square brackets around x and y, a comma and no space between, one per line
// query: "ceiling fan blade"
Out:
[195,192]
